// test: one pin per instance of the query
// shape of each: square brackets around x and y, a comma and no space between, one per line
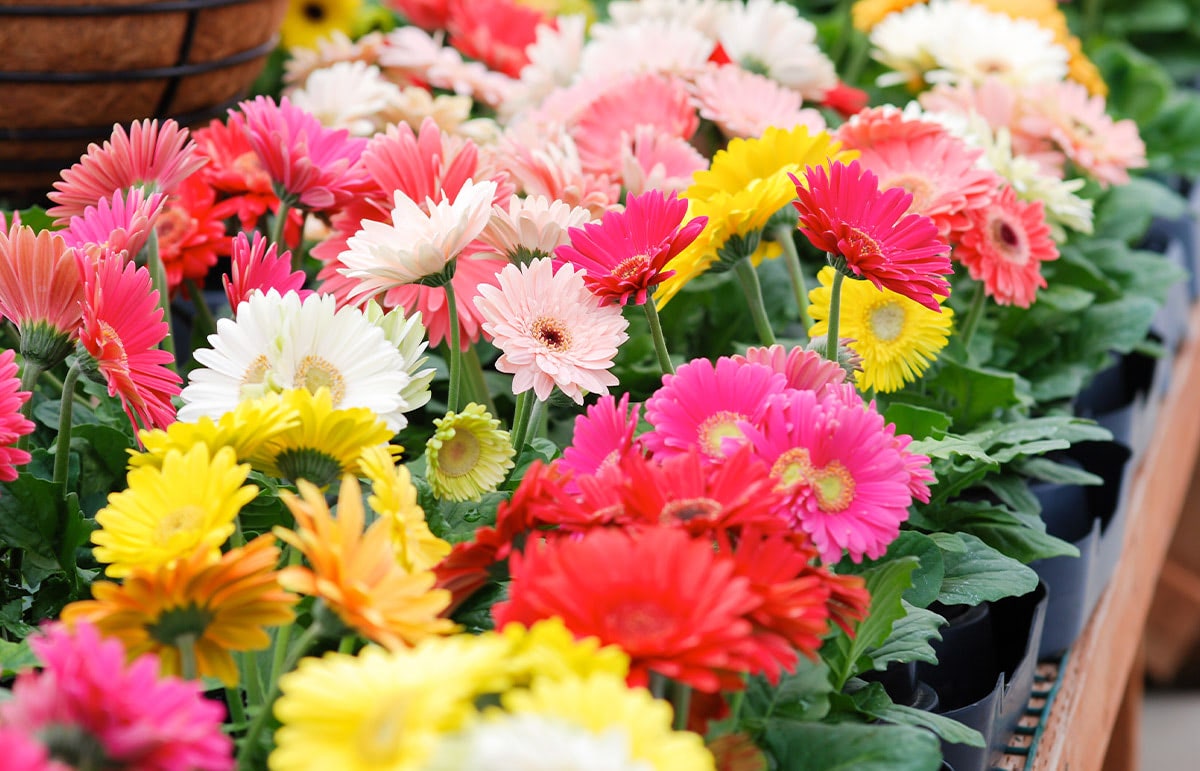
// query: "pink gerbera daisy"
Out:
[654,161]
[152,156]
[846,475]
[804,369]
[13,424]
[552,330]
[496,32]
[624,255]
[869,233]
[744,104]
[531,227]
[603,436]
[552,168]
[121,226]
[23,752]
[703,406]
[40,292]
[313,166]
[122,328]
[1005,247]
[255,267]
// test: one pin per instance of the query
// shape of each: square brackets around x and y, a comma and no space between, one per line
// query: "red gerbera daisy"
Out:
[427,14]
[191,232]
[669,601]
[624,254]
[868,232]
[13,424]
[235,170]
[1005,247]
[122,327]
[496,32]
[256,267]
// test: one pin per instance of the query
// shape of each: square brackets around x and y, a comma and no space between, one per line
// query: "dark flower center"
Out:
[552,333]
[314,12]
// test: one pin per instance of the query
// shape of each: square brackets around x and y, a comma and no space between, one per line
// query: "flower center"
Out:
[915,185]
[718,427]
[248,165]
[112,350]
[380,738]
[256,378]
[183,518]
[631,266]
[1008,241]
[459,454]
[687,509]
[638,622]
[857,246]
[551,333]
[173,226]
[887,321]
[314,12]
[315,373]
[832,485]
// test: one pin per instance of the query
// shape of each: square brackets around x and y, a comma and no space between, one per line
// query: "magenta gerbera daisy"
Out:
[552,330]
[844,469]
[255,267]
[703,406]
[13,424]
[870,235]
[86,699]
[122,225]
[603,436]
[1005,247]
[624,255]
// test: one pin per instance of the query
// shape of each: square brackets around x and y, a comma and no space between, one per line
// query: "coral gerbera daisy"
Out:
[702,404]
[235,170]
[468,454]
[121,329]
[255,267]
[41,292]
[552,330]
[665,598]
[166,513]
[193,607]
[92,709]
[394,498]
[603,435]
[1005,248]
[353,569]
[804,368]
[191,232]
[847,477]
[896,338]
[13,424]
[626,253]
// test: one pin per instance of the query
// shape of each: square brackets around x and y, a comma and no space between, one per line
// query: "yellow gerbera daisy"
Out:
[322,443]
[355,571]
[308,21]
[867,13]
[549,649]
[167,513]
[211,608]
[394,498]
[468,455]
[896,337]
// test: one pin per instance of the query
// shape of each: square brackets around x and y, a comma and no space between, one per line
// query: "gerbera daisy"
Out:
[88,698]
[394,498]
[551,330]
[120,226]
[704,16]
[23,752]
[666,599]
[773,39]
[803,368]
[468,454]
[355,572]
[897,338]
[1005,248]
[646,45]
[495,32]
[603,435]
[654,161]
[150,156]
[553,61]
[846,475]
[235,170]
[1049,15]
[191,232]
[625,254]
[308,21]
[547,650]
[550,166]
[41,292]
[278,342]
[255,267]
[531,227]
[13,424]
[745,104]
[310,165]
[426,14]
[193,607]
[122,327]
[702,404]
[164,514]
[869,234]
[867,13]
[407,335]
[347,95]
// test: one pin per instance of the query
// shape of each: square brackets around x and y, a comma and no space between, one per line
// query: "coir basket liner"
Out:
[73,68]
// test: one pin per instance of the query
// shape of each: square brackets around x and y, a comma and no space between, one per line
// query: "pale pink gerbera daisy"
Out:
[122,226]
[531,227]
[13,424]
[40,292]
[846,215]
[603,436]
[744,104]
[626,253]
[846,476]
[804,369]
[122,328]
[703,406]
[315,167]
[255,267]
[117,714]
[552,330]
[1005,247]
[151,156]
[654,161]
[939,170]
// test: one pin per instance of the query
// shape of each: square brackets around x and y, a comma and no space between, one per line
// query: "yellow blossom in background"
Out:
[563,8]
[468,454]
[166,513]
[896,337]
[549,649]
[394,498]
[308,21]
[867,13]
[212,607]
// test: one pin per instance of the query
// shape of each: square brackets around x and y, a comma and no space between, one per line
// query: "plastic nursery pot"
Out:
[1018,623]
[899,680]
[1108,502]
[1114,393]
[1068,515]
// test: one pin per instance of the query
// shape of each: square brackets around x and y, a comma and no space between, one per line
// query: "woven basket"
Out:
[71,69]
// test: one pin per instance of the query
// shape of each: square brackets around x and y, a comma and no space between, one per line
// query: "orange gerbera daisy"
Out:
[217,607]
[356,572]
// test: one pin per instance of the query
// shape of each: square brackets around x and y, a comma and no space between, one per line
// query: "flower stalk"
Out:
[660,342]
[752,289]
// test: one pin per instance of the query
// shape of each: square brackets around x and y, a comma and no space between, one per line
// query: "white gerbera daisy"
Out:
[414,104]
[533,742]
[533,226]
[707,16]
[416,246]
[772,39]
[276,343]
[409,337]
[553,63]
[652,45]
[347,95]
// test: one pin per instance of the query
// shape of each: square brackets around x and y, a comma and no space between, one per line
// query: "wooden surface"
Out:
[1100,664]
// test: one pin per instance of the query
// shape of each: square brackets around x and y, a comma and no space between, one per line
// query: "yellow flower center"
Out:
[887,321]
[915,185]
[631,266]
[862,246]
[551,333]
[716,428]
[379,741]
[315,373]
[459,454]
[832,485]
[186,517]
[638,620]
[254,379]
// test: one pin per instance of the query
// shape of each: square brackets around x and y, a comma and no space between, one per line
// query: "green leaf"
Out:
[799,746]
[873,701]
[917,422]
[30,512]
[1118,325]
[801,695]
[926,579]
[973,393]
[1047,470]
[909,640]
[887,582]
[16,657]
[36,218]
[1138,87]
[980,573]
[1125,211]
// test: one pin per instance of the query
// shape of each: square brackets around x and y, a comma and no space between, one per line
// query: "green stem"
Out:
[62,450]
[158,278]
[473,370]
[537,415]
[347,644]
[186,644]
[303,643]
[681,700]
[974,314]
[29,376]
[455,351]
[520,421]
[658,685]
[748,278]
[1091,19]
[253,678]
[660,342]
[838,49]
[835,311]
[783,234]
[237,710]
[203,320]
[276,234]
